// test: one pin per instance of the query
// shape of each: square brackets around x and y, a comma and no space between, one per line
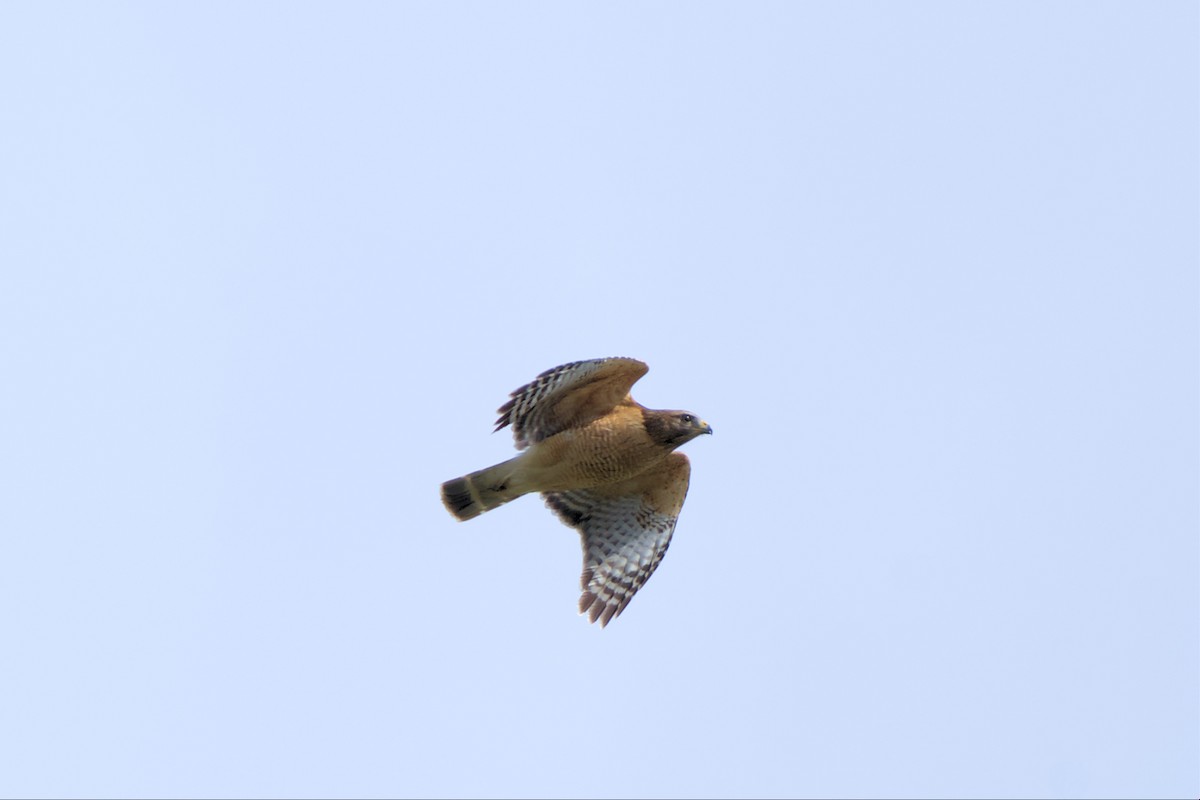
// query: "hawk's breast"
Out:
[612,448]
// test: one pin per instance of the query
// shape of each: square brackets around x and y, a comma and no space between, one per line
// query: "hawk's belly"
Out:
[604,452]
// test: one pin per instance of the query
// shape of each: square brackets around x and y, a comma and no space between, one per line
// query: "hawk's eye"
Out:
[686,417]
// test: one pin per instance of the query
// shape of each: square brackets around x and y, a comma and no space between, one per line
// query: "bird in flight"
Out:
[605,465]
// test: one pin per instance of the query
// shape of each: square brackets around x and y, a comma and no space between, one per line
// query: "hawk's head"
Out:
[673,428]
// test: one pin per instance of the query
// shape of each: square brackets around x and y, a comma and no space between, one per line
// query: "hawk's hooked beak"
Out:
[705,427]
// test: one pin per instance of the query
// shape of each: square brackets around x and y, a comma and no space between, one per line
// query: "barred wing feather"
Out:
[569,396]
[626,530]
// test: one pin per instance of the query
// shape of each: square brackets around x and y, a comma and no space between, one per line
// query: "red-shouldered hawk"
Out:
[604,464]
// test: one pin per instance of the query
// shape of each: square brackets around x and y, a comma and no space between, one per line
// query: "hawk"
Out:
[605,465]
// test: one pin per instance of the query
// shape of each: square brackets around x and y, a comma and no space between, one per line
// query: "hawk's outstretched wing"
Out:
[569,396]
[626,529]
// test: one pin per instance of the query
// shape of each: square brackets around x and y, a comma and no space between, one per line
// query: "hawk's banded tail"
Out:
[471,495]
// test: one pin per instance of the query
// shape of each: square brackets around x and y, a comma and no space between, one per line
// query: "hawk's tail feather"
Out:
[456,495]
[471,495]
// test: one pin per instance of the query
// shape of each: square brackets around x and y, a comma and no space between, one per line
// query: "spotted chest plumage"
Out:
[613,448]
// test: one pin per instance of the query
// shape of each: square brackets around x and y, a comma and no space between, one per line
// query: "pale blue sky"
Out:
[929,269]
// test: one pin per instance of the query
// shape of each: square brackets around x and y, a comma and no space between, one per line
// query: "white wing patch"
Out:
[624,539]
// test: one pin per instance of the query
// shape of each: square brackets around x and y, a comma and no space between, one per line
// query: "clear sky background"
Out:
[929,269]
